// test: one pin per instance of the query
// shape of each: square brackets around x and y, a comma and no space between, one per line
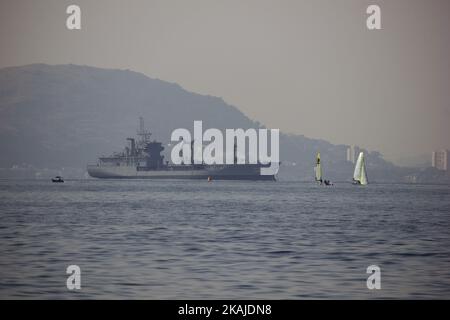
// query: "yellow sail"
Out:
[363,179]
[318,168]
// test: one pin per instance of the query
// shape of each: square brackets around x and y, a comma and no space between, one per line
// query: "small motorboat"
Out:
[57,179]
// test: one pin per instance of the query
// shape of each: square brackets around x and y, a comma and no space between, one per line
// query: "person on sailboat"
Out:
[318,170]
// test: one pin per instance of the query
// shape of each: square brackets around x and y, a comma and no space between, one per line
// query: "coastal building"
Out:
[352,153]
[440,159]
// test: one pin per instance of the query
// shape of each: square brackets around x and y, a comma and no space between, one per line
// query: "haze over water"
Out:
[233,240]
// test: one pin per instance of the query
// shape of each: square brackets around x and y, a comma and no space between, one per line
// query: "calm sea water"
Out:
[237,240]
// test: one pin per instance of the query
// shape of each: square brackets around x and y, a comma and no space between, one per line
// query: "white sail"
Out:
[360,174]
[357,173]
[363,180]
[318,168]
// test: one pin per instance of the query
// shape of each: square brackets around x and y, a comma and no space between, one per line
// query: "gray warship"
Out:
[142,159]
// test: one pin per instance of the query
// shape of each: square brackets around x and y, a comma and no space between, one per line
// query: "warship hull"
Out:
[215,172]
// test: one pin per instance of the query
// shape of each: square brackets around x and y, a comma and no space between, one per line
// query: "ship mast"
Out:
[143,134]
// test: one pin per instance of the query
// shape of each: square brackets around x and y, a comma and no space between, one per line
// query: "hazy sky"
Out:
[308,67]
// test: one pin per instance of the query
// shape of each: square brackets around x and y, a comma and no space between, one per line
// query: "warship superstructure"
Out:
[142,159]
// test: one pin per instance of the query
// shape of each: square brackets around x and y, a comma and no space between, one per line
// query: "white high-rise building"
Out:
[440,159]
[352,153]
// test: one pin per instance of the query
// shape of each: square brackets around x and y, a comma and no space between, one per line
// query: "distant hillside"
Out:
[67,115]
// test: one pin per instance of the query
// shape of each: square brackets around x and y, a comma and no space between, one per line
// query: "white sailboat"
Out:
[360,175]
[318,169]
